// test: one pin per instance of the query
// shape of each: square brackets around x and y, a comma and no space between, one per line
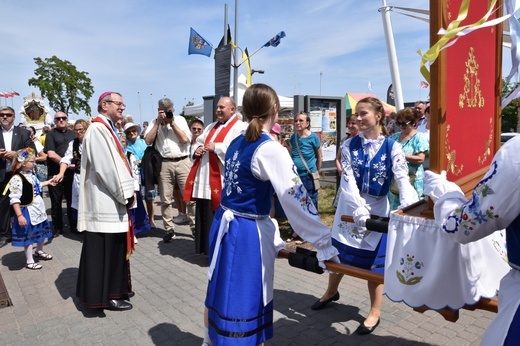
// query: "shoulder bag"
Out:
[315,175]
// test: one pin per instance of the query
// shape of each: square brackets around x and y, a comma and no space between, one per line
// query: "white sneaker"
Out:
[181,219]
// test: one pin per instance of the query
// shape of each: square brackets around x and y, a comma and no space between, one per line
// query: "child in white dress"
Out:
[30,225]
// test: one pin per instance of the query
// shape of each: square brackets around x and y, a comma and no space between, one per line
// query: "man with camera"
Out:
[171,137]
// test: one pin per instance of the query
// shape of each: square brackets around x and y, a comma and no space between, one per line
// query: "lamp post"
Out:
[321,75]
[257,71]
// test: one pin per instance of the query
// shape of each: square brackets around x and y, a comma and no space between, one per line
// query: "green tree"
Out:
[66,88]
[188,118]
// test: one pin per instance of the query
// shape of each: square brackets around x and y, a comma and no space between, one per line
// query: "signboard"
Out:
[327,116]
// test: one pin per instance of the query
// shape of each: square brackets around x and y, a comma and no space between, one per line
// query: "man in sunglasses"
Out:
[56,144]
[12,138]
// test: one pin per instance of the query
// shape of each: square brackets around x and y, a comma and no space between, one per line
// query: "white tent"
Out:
[286,103]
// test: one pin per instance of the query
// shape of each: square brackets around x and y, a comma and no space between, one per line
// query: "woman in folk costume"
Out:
[370,160]
[72,160]
[494,205]
[30,225]
[243,238]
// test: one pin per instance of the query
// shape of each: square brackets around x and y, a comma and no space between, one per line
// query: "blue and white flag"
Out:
[275,41]
[199,45]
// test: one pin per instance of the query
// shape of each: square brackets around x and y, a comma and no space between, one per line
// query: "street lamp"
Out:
[321,75]
[257,71]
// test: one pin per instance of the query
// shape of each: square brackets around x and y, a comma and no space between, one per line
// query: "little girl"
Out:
[30,222]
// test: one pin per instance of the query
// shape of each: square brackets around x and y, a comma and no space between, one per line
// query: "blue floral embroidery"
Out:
[470,214]
[300,194]
[231,176]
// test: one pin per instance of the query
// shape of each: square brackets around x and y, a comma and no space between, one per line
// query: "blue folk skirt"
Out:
[30,234]
[365,259]
[236,310]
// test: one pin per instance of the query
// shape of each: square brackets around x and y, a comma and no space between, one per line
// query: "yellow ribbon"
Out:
[452,31]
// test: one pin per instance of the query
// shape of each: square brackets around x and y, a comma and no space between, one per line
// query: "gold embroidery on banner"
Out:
[448,10]
[451,155]
[482,159]
[472,95]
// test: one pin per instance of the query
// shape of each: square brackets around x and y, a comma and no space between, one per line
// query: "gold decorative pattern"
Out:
[482,159]
[448,10]
[472,95]
[451,155]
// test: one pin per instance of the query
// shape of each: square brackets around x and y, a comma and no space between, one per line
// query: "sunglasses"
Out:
[6,115]
[400,124]
[60,118]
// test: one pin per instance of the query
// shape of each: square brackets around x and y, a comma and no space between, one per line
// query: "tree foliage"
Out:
[191,117]
[66,88]
[510,112]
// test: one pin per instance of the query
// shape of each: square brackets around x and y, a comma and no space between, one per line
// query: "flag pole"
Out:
[235,53]
[151,100]
[392,56]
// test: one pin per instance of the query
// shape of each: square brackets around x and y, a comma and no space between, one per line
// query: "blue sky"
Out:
[140,48]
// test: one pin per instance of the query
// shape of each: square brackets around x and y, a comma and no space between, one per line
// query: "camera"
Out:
[169,114]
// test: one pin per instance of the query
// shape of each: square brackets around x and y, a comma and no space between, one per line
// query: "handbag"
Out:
[315,175]
[395,189]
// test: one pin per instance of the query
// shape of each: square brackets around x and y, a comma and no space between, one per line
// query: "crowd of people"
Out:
[223,179]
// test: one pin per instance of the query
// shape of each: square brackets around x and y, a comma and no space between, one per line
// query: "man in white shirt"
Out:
[172,137]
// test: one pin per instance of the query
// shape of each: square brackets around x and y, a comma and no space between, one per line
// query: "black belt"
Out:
[177,159]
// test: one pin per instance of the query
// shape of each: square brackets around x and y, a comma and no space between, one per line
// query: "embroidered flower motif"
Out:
[408,275]
[380,171]
[356,233]
[231,176]
[356,163]
[299,193]
[470,214]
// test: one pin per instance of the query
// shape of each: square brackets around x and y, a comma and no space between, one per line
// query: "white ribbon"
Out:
[227,217]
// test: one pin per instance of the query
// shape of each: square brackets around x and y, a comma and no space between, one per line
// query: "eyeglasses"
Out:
[79,130]
[194,129]
[60,118]
[117,103]
[300,121]
[6,115]
[400,124]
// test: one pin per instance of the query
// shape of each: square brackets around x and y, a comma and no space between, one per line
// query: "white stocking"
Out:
[29,254]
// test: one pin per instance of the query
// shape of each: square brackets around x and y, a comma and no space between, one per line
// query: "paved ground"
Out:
[170,283]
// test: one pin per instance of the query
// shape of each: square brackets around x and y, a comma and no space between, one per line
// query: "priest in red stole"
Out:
[204,183]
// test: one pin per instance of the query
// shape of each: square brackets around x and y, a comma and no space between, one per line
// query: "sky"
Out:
[140,48]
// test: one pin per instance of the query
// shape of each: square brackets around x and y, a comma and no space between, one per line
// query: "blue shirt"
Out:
[308,146]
